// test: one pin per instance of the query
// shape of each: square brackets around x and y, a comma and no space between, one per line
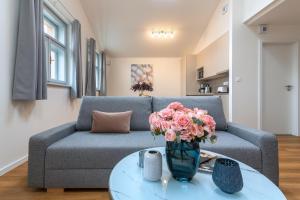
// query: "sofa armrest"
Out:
[268,144]
[38,145]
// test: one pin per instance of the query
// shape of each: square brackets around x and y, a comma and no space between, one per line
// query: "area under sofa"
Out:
[69,156]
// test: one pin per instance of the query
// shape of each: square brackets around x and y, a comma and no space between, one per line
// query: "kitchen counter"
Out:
[208,94]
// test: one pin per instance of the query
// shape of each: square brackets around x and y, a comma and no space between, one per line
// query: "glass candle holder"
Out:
[227,175]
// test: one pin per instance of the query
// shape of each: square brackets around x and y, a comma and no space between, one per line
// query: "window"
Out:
[98,67]
[55,30]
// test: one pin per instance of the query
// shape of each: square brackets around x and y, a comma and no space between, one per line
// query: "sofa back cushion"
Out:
[105,122]
[140,107]
[212,104]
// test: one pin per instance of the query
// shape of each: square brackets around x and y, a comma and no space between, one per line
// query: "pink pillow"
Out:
[117,122]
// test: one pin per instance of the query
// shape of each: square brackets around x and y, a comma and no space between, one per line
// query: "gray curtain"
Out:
[30,73]
[103,89]
[90,88]
[76,73]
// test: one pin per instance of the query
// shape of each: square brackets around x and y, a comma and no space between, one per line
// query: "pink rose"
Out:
[191,114]
[176,106]
[198,131]
[153,117]
[170,135]
[199,112]
[210,124]
[186,136]
[165,125]
[182,120]
[187,110]
[176,127]
[166,113]
[154,121]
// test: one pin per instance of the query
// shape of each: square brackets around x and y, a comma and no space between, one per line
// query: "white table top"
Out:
[126,182]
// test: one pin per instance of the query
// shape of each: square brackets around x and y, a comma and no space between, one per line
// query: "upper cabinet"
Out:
[215,58]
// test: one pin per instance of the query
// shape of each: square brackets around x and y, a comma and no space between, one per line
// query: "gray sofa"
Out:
[69,156]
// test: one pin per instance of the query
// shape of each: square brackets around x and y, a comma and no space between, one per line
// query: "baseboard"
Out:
[13,165]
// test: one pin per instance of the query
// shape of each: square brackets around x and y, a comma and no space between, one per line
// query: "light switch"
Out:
[238,79]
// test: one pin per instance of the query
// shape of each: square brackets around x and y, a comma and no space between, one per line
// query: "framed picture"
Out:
[141,73]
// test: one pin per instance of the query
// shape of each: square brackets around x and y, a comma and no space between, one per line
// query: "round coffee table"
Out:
[126,183]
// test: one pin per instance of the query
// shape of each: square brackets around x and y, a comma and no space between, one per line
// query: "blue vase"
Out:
[183,159]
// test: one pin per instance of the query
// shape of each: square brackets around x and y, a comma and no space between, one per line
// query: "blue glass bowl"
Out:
[227,175]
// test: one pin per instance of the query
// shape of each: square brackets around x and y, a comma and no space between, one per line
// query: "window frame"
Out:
[55,42]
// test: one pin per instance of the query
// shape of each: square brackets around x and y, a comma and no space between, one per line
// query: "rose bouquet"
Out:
[178,123]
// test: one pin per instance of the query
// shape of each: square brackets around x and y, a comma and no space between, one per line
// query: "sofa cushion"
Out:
[236,148]
[112,122]
[212,104]
[85,150]
[140,107]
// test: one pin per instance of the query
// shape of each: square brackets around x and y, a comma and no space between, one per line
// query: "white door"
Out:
[280,88]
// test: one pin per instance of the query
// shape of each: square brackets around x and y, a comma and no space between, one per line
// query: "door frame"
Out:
[260,83]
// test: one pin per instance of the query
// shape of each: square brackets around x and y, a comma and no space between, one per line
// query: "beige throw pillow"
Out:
[117,122]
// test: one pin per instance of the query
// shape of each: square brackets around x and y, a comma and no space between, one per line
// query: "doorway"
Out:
[279,79]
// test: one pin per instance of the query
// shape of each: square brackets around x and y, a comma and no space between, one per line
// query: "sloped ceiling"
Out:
[123,26]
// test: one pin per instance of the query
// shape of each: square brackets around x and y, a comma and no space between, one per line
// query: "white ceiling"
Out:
[123,26]
[286,13]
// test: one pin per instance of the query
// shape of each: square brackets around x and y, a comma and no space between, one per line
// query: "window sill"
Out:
[58,85]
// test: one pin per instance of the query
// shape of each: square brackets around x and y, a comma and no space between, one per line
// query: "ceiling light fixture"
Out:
[162,34]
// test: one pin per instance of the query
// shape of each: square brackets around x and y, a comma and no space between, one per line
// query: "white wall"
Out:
[245,62]
[252,7]
[190,66]
[244,69]
[166,76]
[183,76]
[217,27]
[20,120]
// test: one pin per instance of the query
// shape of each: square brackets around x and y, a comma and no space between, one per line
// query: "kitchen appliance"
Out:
[222,89]
[202,88]
[207,89]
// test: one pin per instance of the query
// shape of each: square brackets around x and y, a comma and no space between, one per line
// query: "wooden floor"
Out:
[289,164]
[13,184]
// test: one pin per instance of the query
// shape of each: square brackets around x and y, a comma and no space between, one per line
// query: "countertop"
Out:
[207,94]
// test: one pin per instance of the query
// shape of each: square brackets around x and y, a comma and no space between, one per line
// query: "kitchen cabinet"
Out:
[215,57]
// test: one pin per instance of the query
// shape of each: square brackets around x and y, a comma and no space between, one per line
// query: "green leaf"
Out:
[205,134]
[197,121]
[213,139]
